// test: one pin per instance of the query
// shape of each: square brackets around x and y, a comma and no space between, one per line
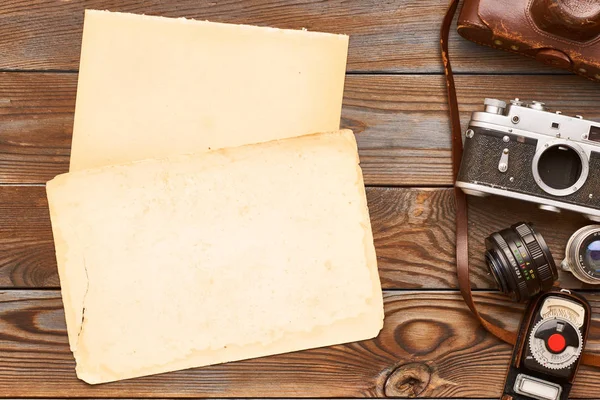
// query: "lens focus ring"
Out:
[523,230]
[545,273]
[535,250]
[522,287]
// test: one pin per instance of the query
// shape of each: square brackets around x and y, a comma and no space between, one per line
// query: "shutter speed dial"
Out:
[555,343]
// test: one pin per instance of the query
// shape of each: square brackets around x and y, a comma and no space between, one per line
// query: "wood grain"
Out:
[413,231]
[36,122]
[414,236]
[390,36]
[26,245]
[430,346]
[401,121]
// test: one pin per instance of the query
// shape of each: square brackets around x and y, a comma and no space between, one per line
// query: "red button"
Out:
[556,343]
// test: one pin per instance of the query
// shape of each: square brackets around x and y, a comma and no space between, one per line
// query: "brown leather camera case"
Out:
[562,33]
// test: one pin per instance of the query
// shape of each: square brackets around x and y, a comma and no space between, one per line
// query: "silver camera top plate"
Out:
[536,118]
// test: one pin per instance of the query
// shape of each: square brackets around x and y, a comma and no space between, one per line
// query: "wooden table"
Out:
[395,102]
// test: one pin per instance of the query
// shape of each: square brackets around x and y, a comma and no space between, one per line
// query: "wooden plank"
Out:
[430,346]
[36,123]
[402,121]
[413,231]
[26,246]
[414,236]
[391,36]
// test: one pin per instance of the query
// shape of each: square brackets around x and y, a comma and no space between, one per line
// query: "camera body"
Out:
[526,152]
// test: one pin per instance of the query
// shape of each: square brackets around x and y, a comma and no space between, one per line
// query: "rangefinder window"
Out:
[594,134]
[560,167]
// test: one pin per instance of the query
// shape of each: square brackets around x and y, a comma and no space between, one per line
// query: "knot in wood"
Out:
[408,380]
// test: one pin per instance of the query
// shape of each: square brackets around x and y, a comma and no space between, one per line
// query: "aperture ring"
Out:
[535,250]
[523,230]
[544,273]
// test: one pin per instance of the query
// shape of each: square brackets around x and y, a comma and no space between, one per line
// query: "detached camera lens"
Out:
[520,261]
[583,254]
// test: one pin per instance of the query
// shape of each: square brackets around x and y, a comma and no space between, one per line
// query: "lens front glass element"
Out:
[560,167]
[592,256]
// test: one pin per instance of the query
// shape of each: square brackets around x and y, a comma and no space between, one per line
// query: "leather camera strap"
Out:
[462,247]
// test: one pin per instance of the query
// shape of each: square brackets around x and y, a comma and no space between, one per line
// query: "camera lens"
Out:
[583,254]
[520,261]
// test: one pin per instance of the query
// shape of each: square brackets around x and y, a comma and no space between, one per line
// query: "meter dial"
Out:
[555,343]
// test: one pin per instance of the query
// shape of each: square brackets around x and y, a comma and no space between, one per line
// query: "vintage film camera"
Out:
[526,152]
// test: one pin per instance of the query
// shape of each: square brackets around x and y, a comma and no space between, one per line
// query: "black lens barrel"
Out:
[520,261]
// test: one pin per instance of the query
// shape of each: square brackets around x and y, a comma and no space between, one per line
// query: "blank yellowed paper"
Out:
[154,87]
[227,255]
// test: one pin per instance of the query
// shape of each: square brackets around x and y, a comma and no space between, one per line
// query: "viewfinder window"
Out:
[594,134]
